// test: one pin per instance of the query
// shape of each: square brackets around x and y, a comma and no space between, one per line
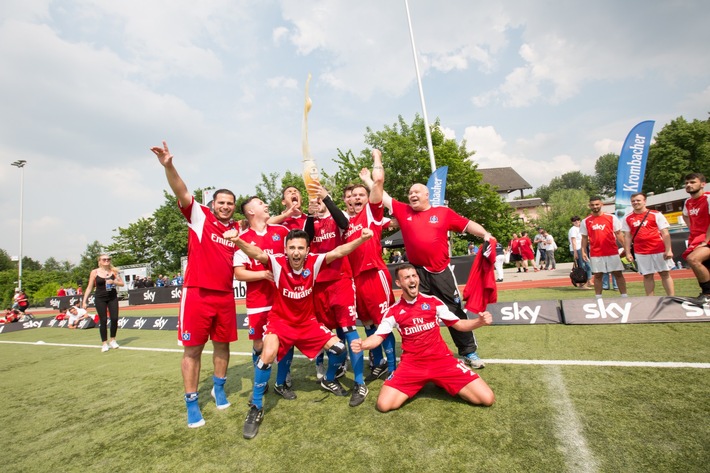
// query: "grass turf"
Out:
[71,408]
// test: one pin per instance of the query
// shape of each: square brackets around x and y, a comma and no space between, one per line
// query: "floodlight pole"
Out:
[430,146]
[20,163]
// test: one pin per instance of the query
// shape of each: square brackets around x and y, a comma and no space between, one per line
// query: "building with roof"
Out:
[505,181]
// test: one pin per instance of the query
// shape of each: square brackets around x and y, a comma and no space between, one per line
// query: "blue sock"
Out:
[388,345]
[261,378]
[357,360]
[334,362]
[284,367]
[376,353]
[193,410]
[254,355]
[219,396]
[319,358]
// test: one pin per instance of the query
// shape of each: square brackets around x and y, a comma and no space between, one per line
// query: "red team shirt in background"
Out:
[369,254]
[426,234]
[210,256]
[697,214]
[648,240]
[326,237]
[598,230]
[260,294]
[295,223]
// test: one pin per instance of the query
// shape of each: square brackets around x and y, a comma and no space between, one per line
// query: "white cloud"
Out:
[282,83]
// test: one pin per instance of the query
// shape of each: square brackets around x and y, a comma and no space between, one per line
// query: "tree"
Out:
[406,161]
[563,204]
[51,264]
[170,236]
[570,180]
[133,244]
[605,170]
[680,148]
[5,261]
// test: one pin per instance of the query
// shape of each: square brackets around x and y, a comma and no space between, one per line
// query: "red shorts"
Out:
[374,294]
[448,372]
[335,303]
[206,314]
[692,245]
[257,322]
[309,337]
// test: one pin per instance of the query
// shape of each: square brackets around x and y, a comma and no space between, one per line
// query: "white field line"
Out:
[570,438]
[496,361]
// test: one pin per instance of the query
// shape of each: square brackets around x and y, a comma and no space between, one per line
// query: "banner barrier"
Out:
[526,313]
[61,303]
[632,310]
[617,310]
[172,294]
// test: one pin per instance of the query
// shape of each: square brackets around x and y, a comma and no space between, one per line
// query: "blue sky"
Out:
[88,87]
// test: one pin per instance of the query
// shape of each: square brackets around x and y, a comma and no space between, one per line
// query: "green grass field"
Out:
[72,408]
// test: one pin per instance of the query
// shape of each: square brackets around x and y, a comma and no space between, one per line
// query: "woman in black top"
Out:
[105,278]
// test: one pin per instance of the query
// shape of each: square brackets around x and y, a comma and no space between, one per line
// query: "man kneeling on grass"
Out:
[292,321]
[425,355]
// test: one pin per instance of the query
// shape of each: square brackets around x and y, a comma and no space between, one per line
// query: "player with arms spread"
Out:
[425,355]
[292,320]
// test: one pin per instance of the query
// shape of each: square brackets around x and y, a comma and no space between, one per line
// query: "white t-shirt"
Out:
[574,233]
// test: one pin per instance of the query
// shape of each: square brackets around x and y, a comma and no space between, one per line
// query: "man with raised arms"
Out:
[207,309]
[292,320]
[373,283]
[425,231]
[425,355]
[260,281]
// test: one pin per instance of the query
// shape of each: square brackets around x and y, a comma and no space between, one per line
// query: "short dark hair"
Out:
[224,191]
[402,267]
[594,197]
[637,193]
[283,191]
[297,233]
[245,202]
[695,175]
[575,219]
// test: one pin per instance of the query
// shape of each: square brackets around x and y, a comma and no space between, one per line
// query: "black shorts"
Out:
[515,257]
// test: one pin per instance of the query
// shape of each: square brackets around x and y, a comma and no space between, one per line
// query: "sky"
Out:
[88,86]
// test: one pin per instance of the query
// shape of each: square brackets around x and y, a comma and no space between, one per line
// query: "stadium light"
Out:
[20,163]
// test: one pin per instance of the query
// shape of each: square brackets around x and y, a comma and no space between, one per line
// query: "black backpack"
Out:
[578,276]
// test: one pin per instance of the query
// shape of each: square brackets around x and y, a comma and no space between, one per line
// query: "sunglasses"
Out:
[105,259]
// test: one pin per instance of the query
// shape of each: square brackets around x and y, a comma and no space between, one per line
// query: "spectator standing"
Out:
[527,251]
[61,292]
[696,210]
[647,231]
[105,278]
[515,254]
[550,247]
[539,242]
[601,231]
[575,248]
[500,259]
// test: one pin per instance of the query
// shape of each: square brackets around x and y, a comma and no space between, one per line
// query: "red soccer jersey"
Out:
[648,240]
[209,256]
[260,294]
[294,302]
[295,223]
[326,237]
[698,213]
[425,234]
[418,325]
[369,254]
[601,232]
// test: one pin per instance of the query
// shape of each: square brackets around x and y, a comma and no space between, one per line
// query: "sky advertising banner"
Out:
[437,186]
[632,165]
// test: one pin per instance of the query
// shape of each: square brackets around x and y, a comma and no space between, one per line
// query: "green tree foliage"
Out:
[681,147]
[406,161]
[563,205]
[134,243]
[605,170]
[6,261]
[570,180]
[52,264]
[169,237]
